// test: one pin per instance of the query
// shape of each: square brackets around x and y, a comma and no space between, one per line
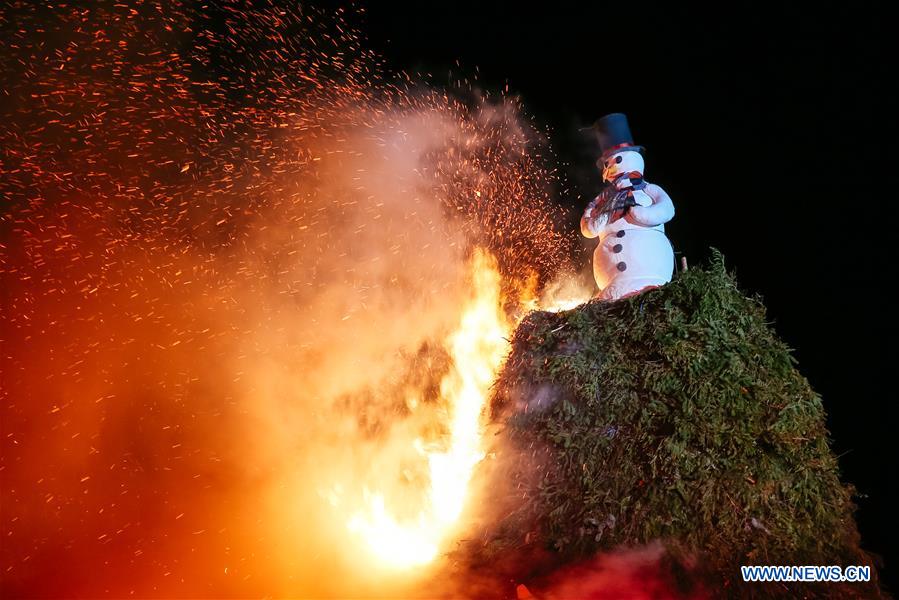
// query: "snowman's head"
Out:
[620,163]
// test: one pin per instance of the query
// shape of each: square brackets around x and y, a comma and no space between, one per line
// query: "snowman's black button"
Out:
[617,248]
[622,266]
[620,233]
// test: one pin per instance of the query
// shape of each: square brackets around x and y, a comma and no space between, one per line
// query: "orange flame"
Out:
[477,349]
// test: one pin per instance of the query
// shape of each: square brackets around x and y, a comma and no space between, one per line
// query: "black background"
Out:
[770,127]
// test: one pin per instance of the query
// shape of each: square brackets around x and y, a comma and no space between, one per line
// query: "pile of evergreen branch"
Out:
[675,415]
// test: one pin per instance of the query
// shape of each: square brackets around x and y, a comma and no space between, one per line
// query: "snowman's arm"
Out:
[660,211]
[592,226]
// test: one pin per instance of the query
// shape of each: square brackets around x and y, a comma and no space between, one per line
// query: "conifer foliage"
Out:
[675,415]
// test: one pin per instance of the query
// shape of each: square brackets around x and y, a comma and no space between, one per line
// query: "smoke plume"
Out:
[233,248]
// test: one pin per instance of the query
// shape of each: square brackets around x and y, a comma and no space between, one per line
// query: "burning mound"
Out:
[675,416]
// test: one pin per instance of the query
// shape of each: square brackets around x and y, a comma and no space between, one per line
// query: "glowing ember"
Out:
[567,291]
[477,349]
[564,302]
[233,249]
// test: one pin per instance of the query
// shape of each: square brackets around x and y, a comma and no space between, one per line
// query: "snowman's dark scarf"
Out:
[618,195]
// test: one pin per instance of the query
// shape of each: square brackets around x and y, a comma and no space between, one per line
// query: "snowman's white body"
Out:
[633,251]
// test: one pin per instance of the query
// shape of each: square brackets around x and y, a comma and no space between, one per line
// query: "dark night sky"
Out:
[769,127]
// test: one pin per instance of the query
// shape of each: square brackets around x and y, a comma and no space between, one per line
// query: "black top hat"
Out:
[614,135]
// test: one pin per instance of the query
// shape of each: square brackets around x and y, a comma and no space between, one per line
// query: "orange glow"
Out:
[564,293]
[477,348]
[244,343]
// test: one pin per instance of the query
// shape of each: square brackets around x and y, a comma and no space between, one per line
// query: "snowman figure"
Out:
[628,217]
